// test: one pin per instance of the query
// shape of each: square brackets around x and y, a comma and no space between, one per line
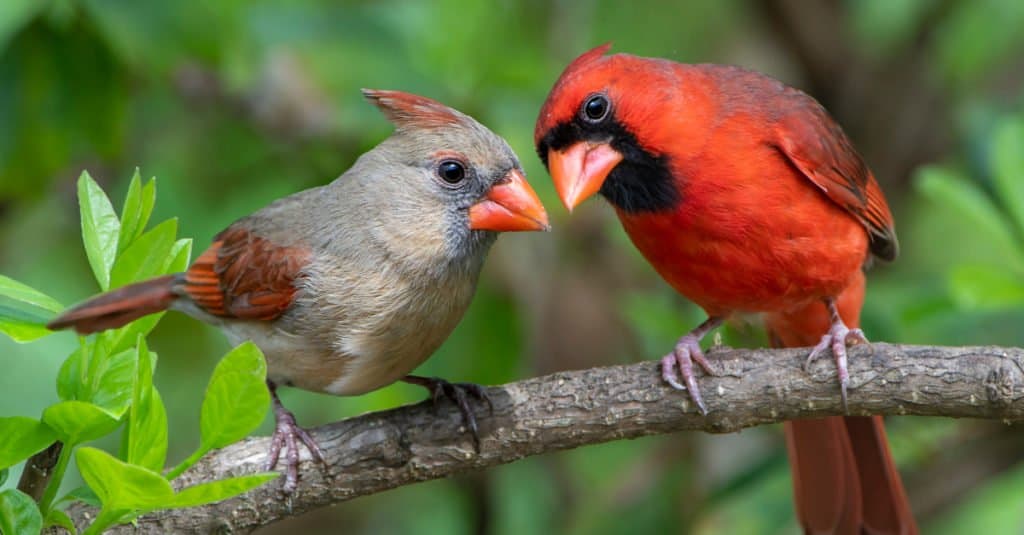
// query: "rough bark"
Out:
[39,470]
[384,450]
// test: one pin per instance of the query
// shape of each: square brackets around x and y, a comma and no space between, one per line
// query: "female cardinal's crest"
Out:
[407,110]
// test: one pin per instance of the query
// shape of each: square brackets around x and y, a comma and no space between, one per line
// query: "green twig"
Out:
[186,464]
[104,520]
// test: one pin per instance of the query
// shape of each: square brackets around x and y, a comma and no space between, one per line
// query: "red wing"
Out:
[245,276]
[819,149]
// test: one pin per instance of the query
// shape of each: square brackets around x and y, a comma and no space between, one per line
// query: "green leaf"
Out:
[149,256]
[3,476]
[179,257]
[19,514]
[69,378]
[146,256]
[147,201]
[21,437]
[100,228]
[131,223]
[122,486]
[984,286]
[15,14]
[236,399]
[1008,168]
[236,402]
[124,337]
[107,518]
[81,494]
[26,294]
[76,421]
[56,517]
[25,323]
[216,491]
[112,382]
[21,325]
[145,437]
[975,208]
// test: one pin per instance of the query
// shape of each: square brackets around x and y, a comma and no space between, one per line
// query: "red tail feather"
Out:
[844,478]
[118,307]
[826,489]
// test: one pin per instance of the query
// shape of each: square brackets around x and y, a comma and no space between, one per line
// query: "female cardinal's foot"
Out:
[288,435]
[457,393]
[838,337]
[686,352]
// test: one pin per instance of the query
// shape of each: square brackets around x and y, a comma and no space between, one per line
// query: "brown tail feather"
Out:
[844,478]
[118,307]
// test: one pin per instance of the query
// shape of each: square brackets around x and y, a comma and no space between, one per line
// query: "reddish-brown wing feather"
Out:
[816,146]
[245,276]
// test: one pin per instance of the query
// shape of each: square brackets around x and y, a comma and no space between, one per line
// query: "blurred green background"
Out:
[232,104]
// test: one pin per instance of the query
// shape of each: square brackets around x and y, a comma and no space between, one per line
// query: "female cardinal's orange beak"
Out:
[579,170]
[511,205]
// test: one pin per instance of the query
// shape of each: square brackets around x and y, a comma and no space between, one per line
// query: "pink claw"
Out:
[686,352]
[287,436]
[839,336]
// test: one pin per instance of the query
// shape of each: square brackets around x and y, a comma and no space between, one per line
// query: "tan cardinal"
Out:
[348,287]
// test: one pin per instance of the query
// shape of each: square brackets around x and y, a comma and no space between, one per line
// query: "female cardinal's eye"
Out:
[596,108]
[451,171]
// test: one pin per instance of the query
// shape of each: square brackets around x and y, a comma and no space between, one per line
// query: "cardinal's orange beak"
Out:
[511,205]
[579,170]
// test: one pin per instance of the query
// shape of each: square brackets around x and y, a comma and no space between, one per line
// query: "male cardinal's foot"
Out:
[457,393]
[288,434]
[686,352]
[838,337]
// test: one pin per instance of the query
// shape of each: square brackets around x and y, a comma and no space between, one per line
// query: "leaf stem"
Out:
[186,464]
[56,479]
[103,520]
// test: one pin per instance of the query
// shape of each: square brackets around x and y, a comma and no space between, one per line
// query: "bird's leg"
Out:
[288,435]
[686,352]
[838,337]
[457,393]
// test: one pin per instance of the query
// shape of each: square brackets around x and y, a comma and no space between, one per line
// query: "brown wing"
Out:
[819,149]
[245,276]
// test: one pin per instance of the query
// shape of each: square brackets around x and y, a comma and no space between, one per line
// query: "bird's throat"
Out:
[641,183]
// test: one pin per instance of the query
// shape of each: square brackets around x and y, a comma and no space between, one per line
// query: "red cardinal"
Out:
[746,197]
[348,287]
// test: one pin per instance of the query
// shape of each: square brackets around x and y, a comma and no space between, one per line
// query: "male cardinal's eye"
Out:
[596,108]
[451,171]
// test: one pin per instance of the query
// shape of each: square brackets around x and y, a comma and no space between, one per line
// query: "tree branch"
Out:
[39,471]
[384,450]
